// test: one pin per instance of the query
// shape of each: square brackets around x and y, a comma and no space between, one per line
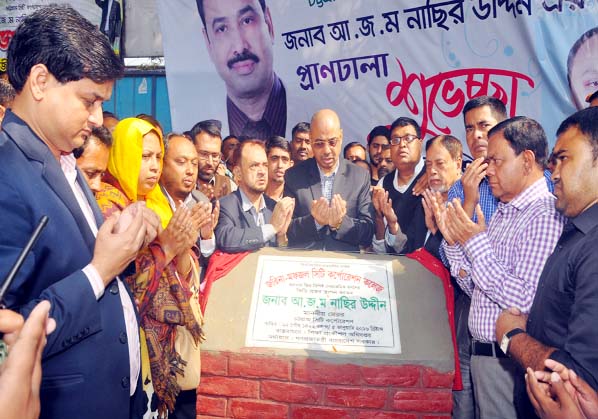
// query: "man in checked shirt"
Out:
[499,266]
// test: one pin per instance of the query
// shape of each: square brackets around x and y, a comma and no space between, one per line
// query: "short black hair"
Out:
[101,133]
[403,121]
[202,13]
[300,127]
[7,93]
[523,133]
[230,137]
[212,127]
[171,135]
[351,145]
[225,139]
[379,131]
[497,107]
[586,121]
[237,154]
[450,143]
[108,114]
[277,142]
[69,45]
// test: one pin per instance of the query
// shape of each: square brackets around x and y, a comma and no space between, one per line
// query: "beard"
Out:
[383,171]
[375,159]
[257,189]
[441,189]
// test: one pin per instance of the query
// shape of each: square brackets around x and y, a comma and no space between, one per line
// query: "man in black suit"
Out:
[250,220]
[333,206]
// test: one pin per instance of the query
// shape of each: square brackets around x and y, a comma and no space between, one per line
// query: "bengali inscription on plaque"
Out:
[327,304]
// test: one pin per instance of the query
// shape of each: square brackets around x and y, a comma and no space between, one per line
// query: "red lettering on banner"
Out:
[5,37]
[440,93]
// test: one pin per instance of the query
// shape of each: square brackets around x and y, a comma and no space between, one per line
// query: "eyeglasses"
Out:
[321,143]
[205,156]
[409,138]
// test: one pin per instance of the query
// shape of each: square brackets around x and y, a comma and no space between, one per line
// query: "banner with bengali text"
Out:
[373,61]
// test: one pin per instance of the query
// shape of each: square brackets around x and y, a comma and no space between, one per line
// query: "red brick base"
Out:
[272,387]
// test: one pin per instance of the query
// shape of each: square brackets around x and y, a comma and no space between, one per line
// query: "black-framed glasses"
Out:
[205,156]
[332,142]
[409,138]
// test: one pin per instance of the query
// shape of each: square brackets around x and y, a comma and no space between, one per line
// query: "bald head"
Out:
[326,138]
[326,118]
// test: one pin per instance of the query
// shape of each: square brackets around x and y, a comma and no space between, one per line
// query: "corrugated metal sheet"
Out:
[141,92]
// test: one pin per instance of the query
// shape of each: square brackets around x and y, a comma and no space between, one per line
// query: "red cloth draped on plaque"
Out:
[437,268]
[220,264]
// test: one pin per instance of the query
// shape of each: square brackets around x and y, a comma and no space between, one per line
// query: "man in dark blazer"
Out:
[63,68]
[249,219]
[333,206]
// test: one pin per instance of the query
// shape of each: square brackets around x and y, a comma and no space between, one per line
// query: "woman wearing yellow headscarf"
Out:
[166,267]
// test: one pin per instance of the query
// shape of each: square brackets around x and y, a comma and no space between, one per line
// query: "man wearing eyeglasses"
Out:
[208,142]
[499,262]
[398,211]
[249,219]
[333,208]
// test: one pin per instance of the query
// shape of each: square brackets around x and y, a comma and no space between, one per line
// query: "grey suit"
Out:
[352,183]
[236,230]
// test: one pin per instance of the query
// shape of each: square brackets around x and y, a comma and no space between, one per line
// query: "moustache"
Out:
[243,56]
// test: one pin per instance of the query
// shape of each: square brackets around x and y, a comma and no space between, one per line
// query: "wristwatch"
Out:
[506,339]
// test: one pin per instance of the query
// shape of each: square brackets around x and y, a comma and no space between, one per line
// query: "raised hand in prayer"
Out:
[338,210]
[117,243]
[474,173]
[320,211]
[459,225]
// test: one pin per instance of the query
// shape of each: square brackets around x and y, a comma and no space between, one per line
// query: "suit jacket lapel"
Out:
[341,173]
[246,214]
[35,149]
[315,183]
[54,176]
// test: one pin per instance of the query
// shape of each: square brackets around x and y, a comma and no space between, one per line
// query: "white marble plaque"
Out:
[326,304]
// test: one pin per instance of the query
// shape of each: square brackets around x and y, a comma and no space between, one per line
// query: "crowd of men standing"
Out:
[515,227]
